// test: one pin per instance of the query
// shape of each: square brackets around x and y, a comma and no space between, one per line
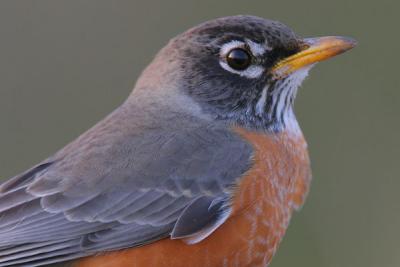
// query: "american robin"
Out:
[201,166]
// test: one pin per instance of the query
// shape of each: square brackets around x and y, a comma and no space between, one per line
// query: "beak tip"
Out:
[350,42]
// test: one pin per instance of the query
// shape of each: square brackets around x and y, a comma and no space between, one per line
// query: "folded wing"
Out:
[117,187]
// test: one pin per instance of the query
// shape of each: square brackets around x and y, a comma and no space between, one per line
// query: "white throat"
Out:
[281,102]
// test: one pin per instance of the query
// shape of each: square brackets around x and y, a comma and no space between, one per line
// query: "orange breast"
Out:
[262,205]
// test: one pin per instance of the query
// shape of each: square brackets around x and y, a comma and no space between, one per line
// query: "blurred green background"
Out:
[66,64]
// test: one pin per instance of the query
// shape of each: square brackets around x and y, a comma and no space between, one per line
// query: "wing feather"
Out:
[14,198]
[117,187]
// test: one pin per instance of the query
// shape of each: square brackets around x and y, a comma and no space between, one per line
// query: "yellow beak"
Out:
[316,50]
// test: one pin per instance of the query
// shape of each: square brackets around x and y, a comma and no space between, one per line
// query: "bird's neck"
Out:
[272,112]
[289,123]
[273,109]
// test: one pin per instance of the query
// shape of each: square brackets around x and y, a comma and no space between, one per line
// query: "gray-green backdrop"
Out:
[66,64]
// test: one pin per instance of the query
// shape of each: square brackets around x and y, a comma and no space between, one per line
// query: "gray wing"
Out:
[121,184]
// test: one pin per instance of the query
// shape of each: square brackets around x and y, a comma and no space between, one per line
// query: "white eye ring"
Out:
[253,71]
[227,47]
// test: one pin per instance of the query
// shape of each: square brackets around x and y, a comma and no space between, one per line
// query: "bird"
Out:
[202,165]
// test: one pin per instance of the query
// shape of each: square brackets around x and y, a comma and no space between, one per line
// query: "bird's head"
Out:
[243,69]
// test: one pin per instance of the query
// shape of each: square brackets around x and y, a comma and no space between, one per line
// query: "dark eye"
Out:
[238,59]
